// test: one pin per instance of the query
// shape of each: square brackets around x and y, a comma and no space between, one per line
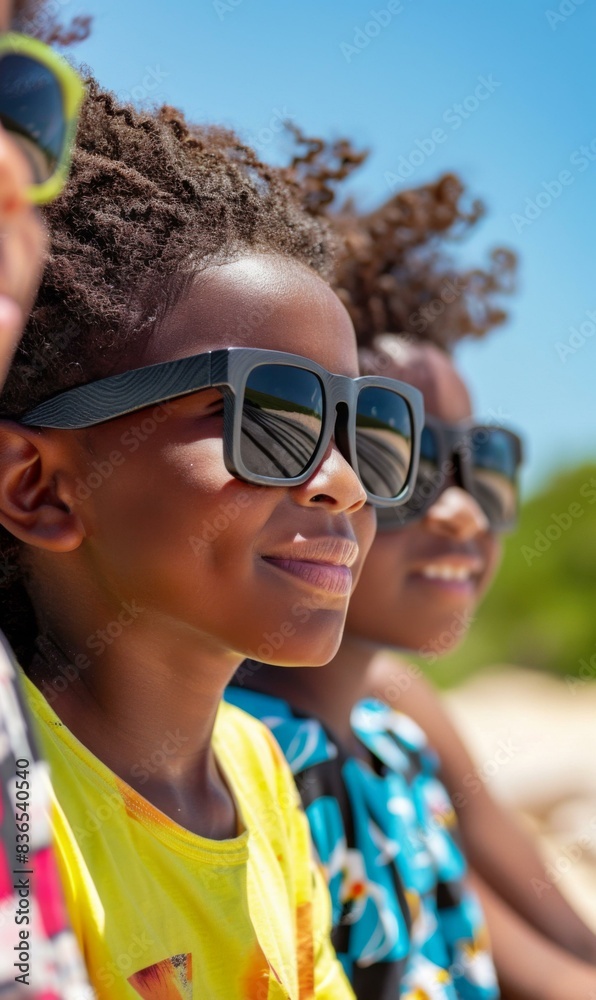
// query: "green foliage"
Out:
[540,612]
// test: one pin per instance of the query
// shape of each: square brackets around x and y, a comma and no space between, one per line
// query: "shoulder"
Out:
[240,733]
[393,737]
[251,757]
[371,715]
[303,740]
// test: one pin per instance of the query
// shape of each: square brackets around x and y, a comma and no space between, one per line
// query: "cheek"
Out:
[493,552]
[364,524]
[173,505]
[382,581]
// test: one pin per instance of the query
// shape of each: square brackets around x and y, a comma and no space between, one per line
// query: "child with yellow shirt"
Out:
[184,484]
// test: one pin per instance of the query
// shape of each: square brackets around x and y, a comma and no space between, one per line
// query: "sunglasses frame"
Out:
[454,443]
[72,89]
[228,369]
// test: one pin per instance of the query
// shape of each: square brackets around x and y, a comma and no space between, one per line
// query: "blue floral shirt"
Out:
[405,923]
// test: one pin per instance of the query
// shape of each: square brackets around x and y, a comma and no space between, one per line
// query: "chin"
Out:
[298,645]
[431,645]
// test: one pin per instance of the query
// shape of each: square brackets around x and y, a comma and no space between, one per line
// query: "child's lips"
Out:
[335,580]
[323,564]
[457,573]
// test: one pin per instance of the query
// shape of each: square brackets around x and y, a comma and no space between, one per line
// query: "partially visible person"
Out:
[400,279]
[22,239]
[38,952]
[427,571]
[431,564]
[397,276]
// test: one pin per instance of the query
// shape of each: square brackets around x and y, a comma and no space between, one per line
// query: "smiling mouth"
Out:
[456,574]
[322,564]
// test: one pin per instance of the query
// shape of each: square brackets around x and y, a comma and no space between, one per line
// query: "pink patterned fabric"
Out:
[39,957]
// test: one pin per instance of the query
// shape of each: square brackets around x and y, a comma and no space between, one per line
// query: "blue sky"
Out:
[391,76]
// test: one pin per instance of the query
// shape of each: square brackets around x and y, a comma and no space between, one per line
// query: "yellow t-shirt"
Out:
[163,914]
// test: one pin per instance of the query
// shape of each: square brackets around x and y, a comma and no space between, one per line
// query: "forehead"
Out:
[259,301]
[432,372]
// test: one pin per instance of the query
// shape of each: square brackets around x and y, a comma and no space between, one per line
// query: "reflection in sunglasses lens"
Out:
[32,110]
[282,417]
[383,441]
[429,479]
[494,475]
[489,462]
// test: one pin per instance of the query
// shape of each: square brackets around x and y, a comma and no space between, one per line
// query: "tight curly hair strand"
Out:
[397,272]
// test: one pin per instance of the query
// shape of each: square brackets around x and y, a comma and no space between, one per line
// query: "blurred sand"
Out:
[548,772]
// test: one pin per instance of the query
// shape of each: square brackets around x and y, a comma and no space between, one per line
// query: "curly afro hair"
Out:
[397,272]
[33,17]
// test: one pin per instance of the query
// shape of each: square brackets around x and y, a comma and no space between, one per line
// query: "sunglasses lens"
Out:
[428,484]
[282,419]
[32,111]
[494,475]
[384,430]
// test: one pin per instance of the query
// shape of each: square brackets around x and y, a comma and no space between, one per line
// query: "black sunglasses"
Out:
[482,459]
[280,412]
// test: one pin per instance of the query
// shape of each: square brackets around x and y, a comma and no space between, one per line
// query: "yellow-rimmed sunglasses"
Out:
[40,97]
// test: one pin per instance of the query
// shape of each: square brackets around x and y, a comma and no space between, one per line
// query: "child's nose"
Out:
[456,514]
[333,483]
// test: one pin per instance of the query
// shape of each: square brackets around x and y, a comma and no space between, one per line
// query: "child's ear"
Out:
[34,490]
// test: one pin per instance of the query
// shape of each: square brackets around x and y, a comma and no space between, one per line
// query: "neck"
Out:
[329,692]
[145,704]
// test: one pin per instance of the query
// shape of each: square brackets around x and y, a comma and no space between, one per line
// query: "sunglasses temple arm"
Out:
[118,395]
